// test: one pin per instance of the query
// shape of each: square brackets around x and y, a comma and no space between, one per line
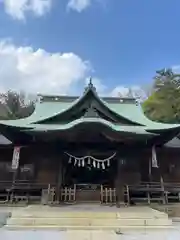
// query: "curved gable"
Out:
[89,105]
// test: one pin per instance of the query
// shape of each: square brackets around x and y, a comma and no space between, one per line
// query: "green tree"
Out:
[163,105]
[15,105]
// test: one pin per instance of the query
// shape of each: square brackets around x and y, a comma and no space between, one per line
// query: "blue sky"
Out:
[123,41]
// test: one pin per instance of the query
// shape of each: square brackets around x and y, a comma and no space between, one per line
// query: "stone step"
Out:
[122,229]
[87,222]
[91,215]
[64,215]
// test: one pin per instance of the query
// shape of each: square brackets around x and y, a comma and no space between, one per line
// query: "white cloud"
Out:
[120,91]
[176,68]
[38,71]
[23,68]
[18,8]
[79,5]
[133,91]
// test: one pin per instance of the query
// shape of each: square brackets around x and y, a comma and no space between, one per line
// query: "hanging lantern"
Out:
[89,160]
[108,163]
[83,162]
[75,161]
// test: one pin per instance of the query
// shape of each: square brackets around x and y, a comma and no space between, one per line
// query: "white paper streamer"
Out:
[103,166]
[94,164]
[83,161]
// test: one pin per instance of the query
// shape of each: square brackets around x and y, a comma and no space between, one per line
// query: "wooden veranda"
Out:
[48,193]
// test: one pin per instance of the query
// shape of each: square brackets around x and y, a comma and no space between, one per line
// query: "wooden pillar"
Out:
[144,167]
[59,178]
[119,183]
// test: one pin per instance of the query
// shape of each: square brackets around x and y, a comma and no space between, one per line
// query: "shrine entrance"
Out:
[89,174]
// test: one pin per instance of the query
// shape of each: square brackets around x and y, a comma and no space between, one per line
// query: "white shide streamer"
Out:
[97,163]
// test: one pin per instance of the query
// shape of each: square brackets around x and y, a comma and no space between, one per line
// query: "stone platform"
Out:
[88,217]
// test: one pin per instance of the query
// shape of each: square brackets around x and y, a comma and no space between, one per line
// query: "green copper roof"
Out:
[51,106]
[130,111]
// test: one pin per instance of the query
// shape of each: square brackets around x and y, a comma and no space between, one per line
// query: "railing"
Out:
[21,191]
[68,194]
[172,192]
[107,195]
[155,192]
[126,195]
[151,192]
[147,192]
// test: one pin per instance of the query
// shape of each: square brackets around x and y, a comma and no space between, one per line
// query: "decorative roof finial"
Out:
[90,81]
[90,86]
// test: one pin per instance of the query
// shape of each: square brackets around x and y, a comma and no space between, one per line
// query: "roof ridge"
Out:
[108,99]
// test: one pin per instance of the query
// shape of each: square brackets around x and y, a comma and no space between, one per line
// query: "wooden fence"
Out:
[68,194]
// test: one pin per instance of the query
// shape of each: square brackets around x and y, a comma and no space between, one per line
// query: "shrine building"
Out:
[83,147]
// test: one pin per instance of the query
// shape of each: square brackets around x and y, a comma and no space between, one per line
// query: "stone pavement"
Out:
[88,235]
